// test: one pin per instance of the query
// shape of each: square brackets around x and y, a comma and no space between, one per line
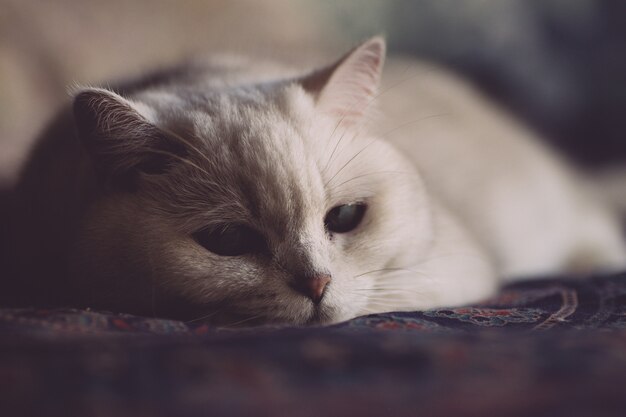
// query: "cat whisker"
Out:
[188,162]
[452,254]
[245,320]
[187,143]
[383,290]
[383,270]
[383,310]
[349,161]
[206,316]
[364,116]
[391,306]
[412,122]
[345,131]
[330,158]
[179,158]
[368,174]
[336,144]
[345,114]
[372,100]
[384,295]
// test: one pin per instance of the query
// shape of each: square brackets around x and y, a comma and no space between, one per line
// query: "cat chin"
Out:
[300,313]
[317,316]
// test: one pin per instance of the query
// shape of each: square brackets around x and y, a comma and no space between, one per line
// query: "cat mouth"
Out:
[320,315]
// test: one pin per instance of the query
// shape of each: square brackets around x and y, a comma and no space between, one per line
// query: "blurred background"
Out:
[558,65]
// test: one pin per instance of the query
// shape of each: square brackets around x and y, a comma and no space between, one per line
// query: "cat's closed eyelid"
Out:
[231,240]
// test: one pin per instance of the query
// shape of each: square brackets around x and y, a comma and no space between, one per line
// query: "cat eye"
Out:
[231,240]
[344,218]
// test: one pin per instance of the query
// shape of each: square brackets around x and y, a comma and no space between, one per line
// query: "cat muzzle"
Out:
[312,286]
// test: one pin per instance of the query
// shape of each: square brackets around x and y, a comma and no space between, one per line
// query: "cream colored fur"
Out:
[533,214]
[459,197]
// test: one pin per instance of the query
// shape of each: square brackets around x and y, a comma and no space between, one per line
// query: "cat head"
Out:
[265,202]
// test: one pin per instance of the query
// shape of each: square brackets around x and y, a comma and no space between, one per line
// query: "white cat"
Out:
[244,192]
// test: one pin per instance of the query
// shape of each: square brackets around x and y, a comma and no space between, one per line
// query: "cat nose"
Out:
[313,286]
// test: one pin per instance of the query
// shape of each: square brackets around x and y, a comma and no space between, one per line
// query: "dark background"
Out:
[560,65]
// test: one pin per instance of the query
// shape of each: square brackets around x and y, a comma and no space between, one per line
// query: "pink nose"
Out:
[313,286]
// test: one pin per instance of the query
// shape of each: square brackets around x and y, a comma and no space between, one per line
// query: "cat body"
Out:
[242,191]
[534,214]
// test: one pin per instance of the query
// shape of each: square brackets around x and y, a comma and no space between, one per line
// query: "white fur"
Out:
[488,201]
[533,214]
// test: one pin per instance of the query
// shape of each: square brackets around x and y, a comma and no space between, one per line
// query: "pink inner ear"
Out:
[353,82]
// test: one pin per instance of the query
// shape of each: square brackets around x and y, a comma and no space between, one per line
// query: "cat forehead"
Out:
[269,119]
[277,98]
[248,145]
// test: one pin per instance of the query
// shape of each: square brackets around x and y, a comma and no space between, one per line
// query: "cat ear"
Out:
[347,87]
[120,140]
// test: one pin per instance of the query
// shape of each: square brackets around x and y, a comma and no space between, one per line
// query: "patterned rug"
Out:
[541,348]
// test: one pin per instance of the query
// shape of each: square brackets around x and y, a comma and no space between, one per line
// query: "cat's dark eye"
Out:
[344,218]
[230,240]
